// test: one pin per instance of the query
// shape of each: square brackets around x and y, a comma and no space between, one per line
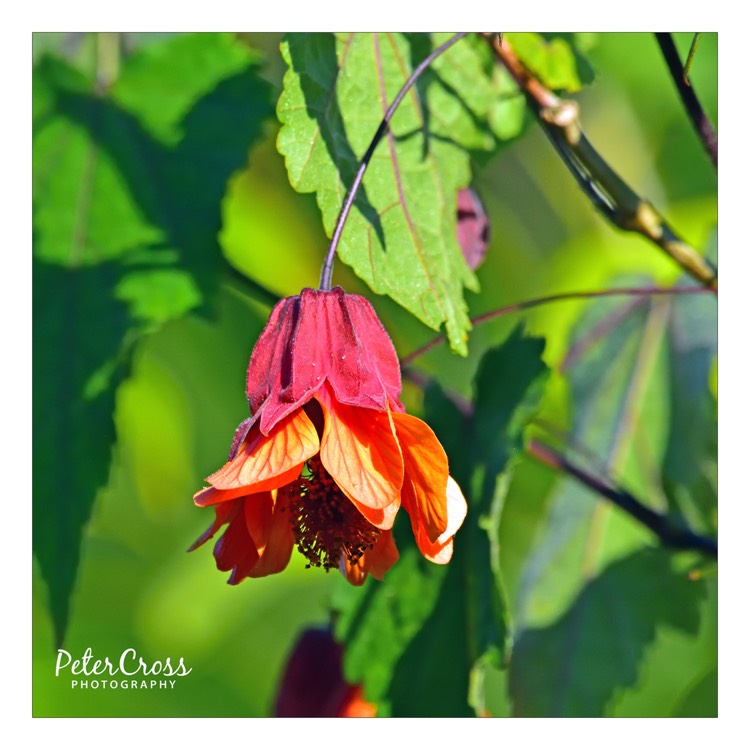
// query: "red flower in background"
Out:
[313,683]
[329,456]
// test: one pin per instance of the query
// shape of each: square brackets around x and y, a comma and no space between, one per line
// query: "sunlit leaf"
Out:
[162,83]
[489,106]
[140,173]
[401,235]
[552,60]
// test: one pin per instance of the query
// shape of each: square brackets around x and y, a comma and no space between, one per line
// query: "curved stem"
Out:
[327,271]
[526,304]
[698,117]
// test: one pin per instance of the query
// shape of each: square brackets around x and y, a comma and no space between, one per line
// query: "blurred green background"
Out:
[176,411]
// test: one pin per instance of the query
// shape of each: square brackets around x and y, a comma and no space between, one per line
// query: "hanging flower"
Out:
[329,456]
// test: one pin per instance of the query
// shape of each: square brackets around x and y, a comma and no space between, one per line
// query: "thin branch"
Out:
[698,117]
[689,61]
[326,272]
[670,534]
[601,184]
[526,304]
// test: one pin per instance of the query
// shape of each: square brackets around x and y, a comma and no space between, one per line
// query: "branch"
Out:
[603,186]
[563,296]
[698,117]
[677,536]
[327,271]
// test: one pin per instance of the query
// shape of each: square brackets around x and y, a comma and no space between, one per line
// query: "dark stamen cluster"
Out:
[327,526]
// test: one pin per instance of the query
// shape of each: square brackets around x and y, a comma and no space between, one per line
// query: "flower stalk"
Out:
[326,273]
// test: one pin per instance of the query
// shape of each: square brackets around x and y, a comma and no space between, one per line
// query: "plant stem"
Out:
[604,187]
[689,61]
[107,59]
[695,112]
[670,534]
[526,304]
[327,271]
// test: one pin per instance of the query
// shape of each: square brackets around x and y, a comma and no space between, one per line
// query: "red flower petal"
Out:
[317,337]
[313,683]
[381,518]
[235,550]
[224,513]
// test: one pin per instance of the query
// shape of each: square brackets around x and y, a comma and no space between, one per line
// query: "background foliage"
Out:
[165,224]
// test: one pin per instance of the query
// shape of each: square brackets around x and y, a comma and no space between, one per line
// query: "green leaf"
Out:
[553,60]
[162,83]
[573,666]
[580,532]
[127,208]
[378,622]
[689,469]
[428,625]
[85,212]
[638,373]
[615,367]
[702,700]
[78,330]
[487,104]
[401,235]
[121,176]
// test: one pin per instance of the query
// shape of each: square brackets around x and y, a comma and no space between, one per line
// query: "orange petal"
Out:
[212,496]
[425,472]
[382,557]
[355,573]
[441,554]
[354,705]
[271,532]
[360,451]
[441,550]
[265,462]
[381,518]
[457,510]
[376,561]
